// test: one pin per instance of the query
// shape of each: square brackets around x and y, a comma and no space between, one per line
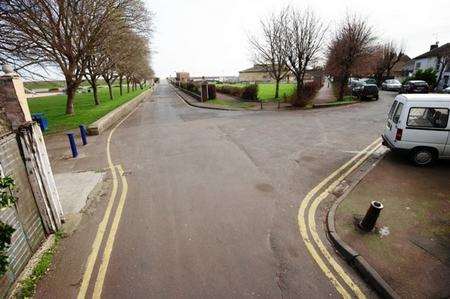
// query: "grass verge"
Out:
[231,103]
[28,285]
[86,112]
[266,91]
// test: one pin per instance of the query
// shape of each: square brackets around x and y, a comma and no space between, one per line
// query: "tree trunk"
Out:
[110,90]
[298,94]
[277,88]
[70,90]
[341,89]
[120,85]
[128,85]
[94,91]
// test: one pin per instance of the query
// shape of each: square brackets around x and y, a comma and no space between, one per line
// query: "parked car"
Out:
[365,91]
[417,124]
[391,84]
[446,90]
[414,86]
[352,82]
[369,81]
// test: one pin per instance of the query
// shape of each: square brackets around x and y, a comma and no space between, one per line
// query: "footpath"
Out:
[410,245]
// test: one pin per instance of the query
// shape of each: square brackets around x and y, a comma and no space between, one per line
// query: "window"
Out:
[428,117]
[391,111]
[397,113]
[418,64]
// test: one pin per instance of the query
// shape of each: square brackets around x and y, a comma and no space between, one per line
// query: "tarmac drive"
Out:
[213,198]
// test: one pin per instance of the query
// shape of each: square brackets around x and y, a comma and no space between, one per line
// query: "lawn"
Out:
[231,103]
[86,112]
[52,84]
[266,91]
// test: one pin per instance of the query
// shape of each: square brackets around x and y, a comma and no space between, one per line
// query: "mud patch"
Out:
[264,187]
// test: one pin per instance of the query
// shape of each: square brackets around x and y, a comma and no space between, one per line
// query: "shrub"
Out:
[309,91]
[250,92]
[230,90]
[428,75]
[211,92]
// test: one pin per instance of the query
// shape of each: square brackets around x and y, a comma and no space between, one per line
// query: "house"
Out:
[400,70]
[435,59]
[182,77]
[259,73]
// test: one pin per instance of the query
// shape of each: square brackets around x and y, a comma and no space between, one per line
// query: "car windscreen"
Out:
[420,83]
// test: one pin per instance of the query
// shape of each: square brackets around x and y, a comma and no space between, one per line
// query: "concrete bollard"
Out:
[83,133]
[73,146]
[368,222]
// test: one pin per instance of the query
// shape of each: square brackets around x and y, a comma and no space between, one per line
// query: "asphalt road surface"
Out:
[213,198]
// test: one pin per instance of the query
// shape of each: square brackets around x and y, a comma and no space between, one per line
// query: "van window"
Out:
[391,112]
[397,113]
[428,117]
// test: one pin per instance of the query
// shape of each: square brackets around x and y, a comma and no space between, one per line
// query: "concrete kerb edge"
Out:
[105,122]
[351,256]
[329,105]
[190,103]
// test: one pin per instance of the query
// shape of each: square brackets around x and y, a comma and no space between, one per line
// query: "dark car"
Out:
[365,91]
[415,86]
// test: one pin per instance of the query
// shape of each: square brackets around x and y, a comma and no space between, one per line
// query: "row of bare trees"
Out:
[293,41]
[86,39]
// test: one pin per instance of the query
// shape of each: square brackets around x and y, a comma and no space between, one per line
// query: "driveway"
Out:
[213,198]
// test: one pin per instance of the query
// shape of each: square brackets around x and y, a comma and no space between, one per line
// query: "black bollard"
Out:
[368,222]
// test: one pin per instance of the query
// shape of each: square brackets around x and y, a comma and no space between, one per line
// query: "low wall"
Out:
[117,114]
[194,95]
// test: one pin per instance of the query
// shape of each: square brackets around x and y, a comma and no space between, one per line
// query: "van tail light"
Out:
[398,135]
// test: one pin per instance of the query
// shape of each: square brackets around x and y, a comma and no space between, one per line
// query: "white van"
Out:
[419,125]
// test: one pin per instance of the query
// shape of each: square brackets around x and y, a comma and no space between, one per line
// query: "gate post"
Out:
[13,100]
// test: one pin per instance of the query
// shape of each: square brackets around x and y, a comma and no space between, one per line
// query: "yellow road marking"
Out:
[312,225]
[303,227]
[98,239]
[102,226]
[112,236]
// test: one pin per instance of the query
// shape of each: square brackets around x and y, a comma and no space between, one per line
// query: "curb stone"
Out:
[103,123]
[351,256]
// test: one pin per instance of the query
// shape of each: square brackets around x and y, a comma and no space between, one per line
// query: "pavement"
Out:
[410,245]
[211,201]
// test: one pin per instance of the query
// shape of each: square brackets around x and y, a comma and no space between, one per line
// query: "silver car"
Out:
[391,84]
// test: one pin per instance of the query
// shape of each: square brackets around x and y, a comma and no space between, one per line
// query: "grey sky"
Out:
[208,37]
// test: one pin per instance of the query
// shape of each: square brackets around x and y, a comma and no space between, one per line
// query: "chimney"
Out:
[434,46]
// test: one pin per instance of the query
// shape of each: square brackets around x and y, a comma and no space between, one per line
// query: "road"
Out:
[212,201]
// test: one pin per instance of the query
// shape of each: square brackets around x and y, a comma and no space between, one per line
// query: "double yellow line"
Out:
[308,231]
[96,245]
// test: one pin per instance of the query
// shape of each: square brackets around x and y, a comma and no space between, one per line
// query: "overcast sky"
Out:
[209,37]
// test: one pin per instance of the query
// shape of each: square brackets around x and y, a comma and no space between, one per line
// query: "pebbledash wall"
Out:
[23,157]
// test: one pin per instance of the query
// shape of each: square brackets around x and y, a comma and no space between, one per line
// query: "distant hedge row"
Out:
[248,92]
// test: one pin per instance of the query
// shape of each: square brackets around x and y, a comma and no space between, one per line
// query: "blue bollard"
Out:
[83,133]
[73,146]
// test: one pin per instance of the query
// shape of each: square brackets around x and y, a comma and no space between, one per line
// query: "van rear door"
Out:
[391,131]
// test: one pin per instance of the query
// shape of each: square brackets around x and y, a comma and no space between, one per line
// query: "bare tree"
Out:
[387,56]
[352,43]
[269,49]
[64,32]
[303,36]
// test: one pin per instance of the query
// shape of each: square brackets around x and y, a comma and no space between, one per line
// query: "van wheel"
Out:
[423,157]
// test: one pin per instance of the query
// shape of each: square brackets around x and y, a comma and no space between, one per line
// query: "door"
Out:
[393,121]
